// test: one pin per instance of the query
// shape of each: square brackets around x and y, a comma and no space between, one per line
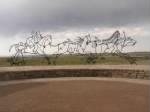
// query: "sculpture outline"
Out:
[37,43]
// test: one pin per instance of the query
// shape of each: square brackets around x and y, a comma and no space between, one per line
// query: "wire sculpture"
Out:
[83,45]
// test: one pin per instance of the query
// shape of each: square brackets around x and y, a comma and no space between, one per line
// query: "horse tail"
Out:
[10,48]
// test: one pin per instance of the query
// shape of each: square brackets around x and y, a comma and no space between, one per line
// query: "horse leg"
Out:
[100,53]
[107,47]
[11,60]
[112,51]
[130,59]
[22,57]
[48,60]
[19,58]
[55,58]
[15,58]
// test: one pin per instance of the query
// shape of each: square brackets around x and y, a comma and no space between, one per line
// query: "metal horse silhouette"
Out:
[90,46]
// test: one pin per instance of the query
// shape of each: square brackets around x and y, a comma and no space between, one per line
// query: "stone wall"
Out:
[15,75]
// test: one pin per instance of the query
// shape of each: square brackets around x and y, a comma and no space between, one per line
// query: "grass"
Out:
[78,60]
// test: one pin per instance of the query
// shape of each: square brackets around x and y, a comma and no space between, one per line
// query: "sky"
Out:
[70,18]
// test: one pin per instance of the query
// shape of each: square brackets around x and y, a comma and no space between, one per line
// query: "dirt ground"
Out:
[84,95]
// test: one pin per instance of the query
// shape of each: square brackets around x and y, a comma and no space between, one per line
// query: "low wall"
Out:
[29,74]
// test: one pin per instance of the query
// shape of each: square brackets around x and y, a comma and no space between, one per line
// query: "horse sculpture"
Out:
[111,41]
[19,50]
[37,44]
[68,47]
[30,47]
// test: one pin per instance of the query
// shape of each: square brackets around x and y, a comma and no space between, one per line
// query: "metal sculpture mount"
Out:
[90,46]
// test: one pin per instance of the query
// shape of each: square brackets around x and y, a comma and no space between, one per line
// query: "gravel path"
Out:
[40,80]
[74,95]
[28,68]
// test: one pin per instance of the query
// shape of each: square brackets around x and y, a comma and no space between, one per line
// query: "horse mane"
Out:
[115,35]
[79,40]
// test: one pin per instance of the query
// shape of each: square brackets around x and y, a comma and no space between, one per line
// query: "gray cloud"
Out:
[27,15]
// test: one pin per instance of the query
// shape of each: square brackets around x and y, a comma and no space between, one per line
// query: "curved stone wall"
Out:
[11,74]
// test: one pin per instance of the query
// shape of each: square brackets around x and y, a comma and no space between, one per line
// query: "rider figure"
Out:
[36,36]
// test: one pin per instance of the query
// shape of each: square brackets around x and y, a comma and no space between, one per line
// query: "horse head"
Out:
[130,41]
[47,40]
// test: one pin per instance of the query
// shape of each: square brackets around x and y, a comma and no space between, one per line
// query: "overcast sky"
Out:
[64,18]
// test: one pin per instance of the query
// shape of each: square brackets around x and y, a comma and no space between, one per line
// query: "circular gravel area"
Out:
[65,95]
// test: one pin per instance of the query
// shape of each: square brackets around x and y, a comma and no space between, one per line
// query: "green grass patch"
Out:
[78,60]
